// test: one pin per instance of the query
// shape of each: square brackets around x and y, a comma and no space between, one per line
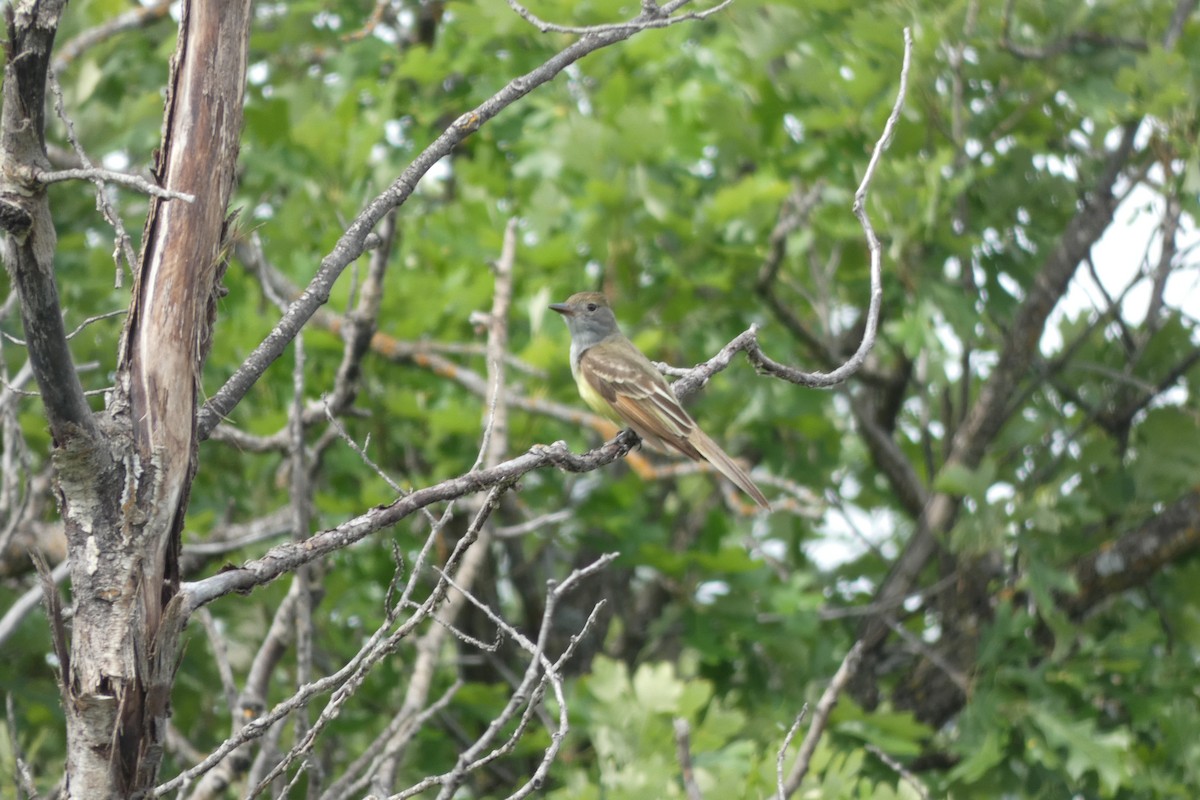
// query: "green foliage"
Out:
[655,169]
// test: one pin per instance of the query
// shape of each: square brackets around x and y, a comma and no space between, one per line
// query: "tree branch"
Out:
[825,707]
[25,215]
[353,241]
[1136,555]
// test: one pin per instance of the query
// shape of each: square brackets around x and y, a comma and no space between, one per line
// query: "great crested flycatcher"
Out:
[616,380]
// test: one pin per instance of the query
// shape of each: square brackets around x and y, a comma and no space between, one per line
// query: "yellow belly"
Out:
[595,400]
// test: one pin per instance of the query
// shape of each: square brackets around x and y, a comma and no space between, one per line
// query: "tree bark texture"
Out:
[123,475]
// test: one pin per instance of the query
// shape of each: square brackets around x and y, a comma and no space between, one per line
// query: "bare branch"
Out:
[494,445]
[28,601]
[361,323]
[138,17]
[102,176]
[652,16]
[403,727]
[28,250]
[123,245]
[535,524]
[353,241]
[905,774]
[24,776]
[237,535]
[855,362]
[527,694]
[783,748]
[683,751]
[820,719]
[371,654]
[383,641]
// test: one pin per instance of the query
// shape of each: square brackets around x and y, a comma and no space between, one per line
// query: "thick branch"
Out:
[30,239]
[124,504]
[991,409]
[353,242]
[1137,555]
[286,557]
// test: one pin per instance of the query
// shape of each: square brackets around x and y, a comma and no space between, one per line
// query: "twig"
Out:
[652,16]
[535,524]
[101,176]
[494,443]
[217,642]
[400,725]
[855,362]
[79,328]
[286,557]
[28,601]
[305,576]
[683,750]
[381,642]
[353,241]
[24,776]
[346,681]
[249,704]
[820,719]
[237,535]
[360,324]
[907,776]
[783,748]
[128,20]
[528,693]
[123,246]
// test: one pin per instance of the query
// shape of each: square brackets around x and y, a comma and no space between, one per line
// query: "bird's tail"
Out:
[724,464]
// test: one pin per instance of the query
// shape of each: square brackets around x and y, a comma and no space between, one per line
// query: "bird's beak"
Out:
[562,308]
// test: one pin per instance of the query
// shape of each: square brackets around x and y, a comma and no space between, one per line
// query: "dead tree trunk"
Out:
[123,474]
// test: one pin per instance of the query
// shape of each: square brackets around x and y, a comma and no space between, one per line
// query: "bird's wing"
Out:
[640,396]
[638,393]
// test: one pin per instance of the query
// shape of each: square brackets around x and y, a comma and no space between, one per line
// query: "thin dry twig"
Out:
[539,673]
[402,726]
[652,16]
[24,775]
[748,341]
[138,17]
[905,774]
[683,751]
[781,756]
[384,641]
[96,318]
[350,678]
[820,719]
[306,576]
[221,655]
[490,451]
[492,448]
[101,176]
[123,245]
[354,240]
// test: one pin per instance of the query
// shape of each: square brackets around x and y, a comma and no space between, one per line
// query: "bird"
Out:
[616,380]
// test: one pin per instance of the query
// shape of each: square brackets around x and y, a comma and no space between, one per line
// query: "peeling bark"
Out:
[123,475]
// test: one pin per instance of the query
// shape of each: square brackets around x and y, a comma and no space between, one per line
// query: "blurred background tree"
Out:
[1000,508]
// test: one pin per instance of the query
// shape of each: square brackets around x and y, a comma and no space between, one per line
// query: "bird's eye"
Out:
[591,306]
